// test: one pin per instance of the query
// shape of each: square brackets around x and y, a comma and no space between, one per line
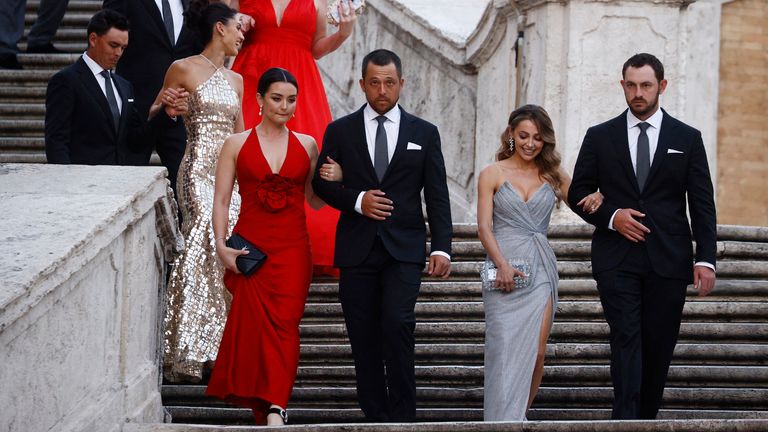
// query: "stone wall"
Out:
[742,131]
[81,276]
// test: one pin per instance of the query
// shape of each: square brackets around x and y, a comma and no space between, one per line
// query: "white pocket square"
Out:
[670,151]
[130,100]
[413,146]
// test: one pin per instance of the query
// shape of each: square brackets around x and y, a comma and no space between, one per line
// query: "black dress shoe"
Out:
[9,61]
[44,49]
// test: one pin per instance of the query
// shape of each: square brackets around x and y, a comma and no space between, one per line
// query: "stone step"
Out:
[693,311]
[671,420]
[22,111]
[47,61]
[572,332]
[22,157]
[27,77]
[471,354]
[568,289]
[22,144]
[72,19]
[21,94]
[91,6]
[22,128]
[558,401]
[65,34]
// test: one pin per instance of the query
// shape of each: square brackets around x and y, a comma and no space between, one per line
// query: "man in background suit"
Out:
[90,115]
[388,157]
[646,163]
[159,37]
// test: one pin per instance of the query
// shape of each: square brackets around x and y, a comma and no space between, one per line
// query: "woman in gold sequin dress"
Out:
[197,300]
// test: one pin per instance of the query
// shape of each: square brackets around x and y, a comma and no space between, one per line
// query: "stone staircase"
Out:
[720,369]
[22,93]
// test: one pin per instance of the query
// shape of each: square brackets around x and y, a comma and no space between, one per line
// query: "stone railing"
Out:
[82,266]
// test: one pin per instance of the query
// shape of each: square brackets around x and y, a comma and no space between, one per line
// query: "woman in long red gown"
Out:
[259,352]
[291,34]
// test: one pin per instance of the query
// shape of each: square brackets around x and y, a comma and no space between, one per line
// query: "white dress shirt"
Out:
[392,127]
[633,133]
[177,11]
[96,69]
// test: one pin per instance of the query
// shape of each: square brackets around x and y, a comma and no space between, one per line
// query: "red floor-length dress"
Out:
[289,46]
[259,351]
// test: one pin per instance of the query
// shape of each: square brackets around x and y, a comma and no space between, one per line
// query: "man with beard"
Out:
[645,163]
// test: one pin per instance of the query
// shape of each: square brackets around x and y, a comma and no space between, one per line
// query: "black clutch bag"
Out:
[247,264]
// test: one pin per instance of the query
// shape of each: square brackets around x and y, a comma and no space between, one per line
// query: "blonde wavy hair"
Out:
[548,160]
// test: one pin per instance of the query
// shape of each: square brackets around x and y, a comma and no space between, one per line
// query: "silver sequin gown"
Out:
[513,320]
[197,300]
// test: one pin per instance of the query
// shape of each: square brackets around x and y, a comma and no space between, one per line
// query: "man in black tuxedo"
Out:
[90,115]
[159,36]
[646,163]
[388,157]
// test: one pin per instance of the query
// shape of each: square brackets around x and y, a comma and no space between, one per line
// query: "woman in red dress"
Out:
[291,34]
[259,352]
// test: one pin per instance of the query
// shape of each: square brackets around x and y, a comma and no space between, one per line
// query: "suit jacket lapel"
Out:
[89,81]
[361,144]
[665,139]
[402,141]
[621,147]
[155,15]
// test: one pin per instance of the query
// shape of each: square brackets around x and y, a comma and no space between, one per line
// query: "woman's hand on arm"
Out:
[173,96]
[589,203]
[331,170]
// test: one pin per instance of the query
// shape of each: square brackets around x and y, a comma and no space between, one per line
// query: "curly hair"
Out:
[548,160]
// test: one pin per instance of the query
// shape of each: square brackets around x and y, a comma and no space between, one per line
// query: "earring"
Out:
[259,110]
[511,143]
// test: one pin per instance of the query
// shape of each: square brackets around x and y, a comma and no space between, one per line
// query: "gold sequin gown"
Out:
[197,300]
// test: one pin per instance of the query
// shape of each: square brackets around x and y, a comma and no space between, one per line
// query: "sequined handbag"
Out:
[488,274]
[247,264]
[333,9]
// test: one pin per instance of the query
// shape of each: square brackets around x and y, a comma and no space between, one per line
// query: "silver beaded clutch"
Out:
[488,274]
[333,9]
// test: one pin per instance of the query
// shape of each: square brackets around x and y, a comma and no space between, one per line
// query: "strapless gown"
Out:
[259,352]
[197,301]
[289,46]
[513,320]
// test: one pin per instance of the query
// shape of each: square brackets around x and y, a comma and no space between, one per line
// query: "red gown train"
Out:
[259,351]
[289,46]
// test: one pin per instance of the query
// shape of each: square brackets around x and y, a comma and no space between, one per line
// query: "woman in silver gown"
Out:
[197,302]
[516,195]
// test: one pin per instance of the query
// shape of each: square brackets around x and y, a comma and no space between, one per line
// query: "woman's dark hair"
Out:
[645,59]
[274,75]
[202,16]
[383,57]
[106,19]
[548,161]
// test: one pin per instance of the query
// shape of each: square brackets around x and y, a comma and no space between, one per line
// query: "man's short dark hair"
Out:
[106,19]
[382,57]
[645,59]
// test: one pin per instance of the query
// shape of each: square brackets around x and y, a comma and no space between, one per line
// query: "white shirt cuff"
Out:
[610,222]
[705,264]
[441,253]
[359,203]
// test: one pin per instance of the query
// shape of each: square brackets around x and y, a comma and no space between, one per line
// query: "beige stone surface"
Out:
[81,271]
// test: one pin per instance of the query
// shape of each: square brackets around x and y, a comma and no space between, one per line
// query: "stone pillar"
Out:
[82,266]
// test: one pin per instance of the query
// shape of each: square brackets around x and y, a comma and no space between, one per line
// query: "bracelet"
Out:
[220,238]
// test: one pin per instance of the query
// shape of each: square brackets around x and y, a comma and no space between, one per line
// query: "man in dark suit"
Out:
[388,157]
[645,163]
[159,36]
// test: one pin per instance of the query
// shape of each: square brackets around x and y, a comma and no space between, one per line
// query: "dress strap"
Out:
[210,62]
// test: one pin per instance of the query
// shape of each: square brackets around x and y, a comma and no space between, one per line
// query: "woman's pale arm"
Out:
[486,187]
[324,43]
[239,123]
[309,193]
[222,196]
[173,92]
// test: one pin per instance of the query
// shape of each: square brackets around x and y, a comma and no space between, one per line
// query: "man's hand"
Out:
[703,279]
[439,266]
[625,223]
[376,206]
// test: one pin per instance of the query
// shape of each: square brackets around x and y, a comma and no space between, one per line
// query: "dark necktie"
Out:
[111,98]
[643,156]
[168,21]
[380,152]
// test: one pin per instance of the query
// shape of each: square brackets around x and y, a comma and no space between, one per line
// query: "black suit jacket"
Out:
[78,122]
[145,61]
[409,172]
[679,171]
